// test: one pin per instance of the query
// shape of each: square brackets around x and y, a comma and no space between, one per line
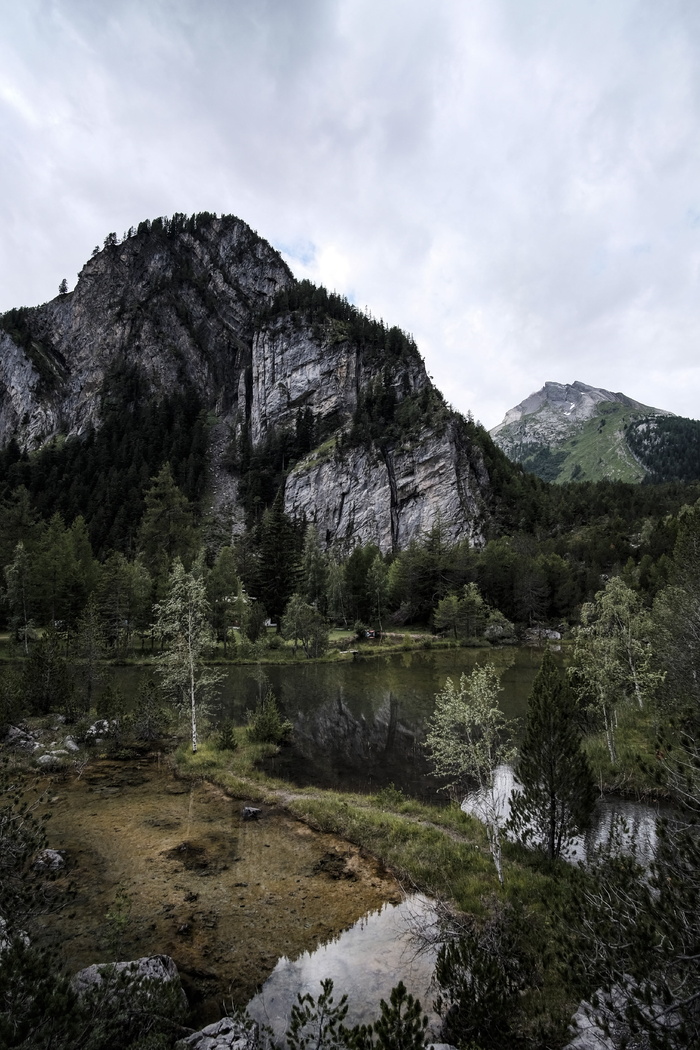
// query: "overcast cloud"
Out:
[515,182]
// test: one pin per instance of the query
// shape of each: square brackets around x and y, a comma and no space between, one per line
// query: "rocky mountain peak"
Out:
[575,424]
[201,306]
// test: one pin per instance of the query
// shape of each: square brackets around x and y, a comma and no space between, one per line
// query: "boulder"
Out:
[226,1034]
[251,813]
[156,968]
[604,1026]
[21,738]
[52,758]
[70,744]
[49,860]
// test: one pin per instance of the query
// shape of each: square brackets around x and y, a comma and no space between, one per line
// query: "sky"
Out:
[516,183]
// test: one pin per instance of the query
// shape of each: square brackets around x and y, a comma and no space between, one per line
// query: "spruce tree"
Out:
[557,793]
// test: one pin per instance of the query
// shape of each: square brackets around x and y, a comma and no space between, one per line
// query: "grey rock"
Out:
[251,813]
[226,1034]
[589,1023]
[49,860]
[21,739]
[70,744]
[157,968]
[390,499]
[52,758]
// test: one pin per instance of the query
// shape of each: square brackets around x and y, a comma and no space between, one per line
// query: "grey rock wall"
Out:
[389,499]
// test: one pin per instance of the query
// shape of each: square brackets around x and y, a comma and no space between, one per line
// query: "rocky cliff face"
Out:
[182,306]
[199,304]
[390,497]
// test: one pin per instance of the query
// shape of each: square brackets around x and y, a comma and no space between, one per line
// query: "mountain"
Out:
[195,325]
[569,432]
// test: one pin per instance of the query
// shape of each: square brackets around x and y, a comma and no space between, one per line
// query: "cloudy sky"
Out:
[515,182]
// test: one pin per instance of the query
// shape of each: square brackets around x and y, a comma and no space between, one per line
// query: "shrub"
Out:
[266,726]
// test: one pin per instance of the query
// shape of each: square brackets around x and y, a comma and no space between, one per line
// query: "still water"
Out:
[359,726]
[365,962]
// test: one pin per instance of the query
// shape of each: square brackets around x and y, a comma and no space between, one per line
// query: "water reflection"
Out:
[637,819]
[366,961]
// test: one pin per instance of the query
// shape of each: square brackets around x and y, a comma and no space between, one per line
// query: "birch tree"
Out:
[467,743]
[182,623]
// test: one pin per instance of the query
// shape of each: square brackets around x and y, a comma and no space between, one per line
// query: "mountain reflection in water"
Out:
[366,961]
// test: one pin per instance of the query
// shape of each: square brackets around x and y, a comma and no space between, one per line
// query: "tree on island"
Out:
[556,792]
[466,743]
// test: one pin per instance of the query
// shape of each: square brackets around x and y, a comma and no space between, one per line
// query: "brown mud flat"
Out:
[225,898]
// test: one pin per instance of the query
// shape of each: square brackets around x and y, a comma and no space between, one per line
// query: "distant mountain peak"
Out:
[559,432]
[569,402]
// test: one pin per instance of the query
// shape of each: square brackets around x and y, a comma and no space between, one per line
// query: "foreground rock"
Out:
[604,1026]
[49,860]
[125,976]
[226,1034]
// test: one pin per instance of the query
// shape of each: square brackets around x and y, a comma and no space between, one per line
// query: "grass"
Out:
[599,450]
[438,849]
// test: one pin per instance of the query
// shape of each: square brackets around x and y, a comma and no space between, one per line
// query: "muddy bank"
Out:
[225,898]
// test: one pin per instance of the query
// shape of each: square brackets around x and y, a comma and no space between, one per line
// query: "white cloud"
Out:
[516,184]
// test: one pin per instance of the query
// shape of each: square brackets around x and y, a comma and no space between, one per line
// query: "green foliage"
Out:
[317,1024]
[390,797]
[401,1024]
[556,794]
[151,718]
[466,744]
[266,725]
[638,931]
[182,623]
[303,623]
[12,701]
[103,475]
[613,656]
[227,741]
[667,446]
[465,616]
[478,998]
[48,683]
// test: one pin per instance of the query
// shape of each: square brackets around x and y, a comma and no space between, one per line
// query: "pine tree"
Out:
[557,794]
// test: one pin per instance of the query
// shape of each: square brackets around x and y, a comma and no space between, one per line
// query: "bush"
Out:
[266,726]
[227,740]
